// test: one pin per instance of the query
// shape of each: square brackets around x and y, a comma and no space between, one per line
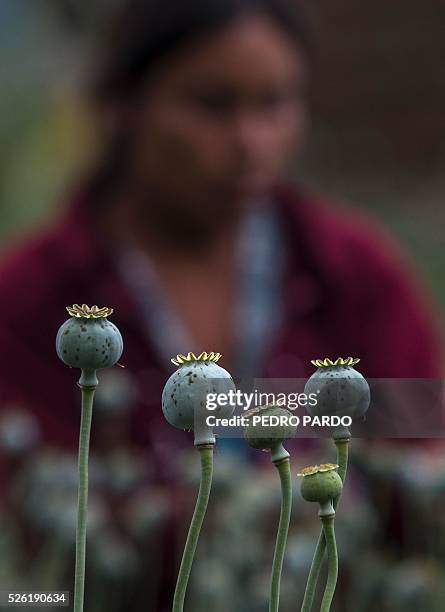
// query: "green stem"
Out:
[283,468]
[82,504]
[314,573]
[206,453]
[329,534]
[342,460]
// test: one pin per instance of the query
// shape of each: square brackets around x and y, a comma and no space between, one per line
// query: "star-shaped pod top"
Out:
[89,312]
[191,357]
[315,469]
[328,363]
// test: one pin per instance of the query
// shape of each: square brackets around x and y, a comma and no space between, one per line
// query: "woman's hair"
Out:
[145,31]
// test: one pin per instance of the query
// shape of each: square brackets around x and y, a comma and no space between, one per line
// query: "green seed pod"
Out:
[186,392]
[321,483]
[340,389]
[273,429]
[87,340]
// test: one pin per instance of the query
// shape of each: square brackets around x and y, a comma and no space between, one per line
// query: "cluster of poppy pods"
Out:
[88,341]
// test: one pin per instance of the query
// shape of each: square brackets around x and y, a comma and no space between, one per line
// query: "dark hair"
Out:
[145,31]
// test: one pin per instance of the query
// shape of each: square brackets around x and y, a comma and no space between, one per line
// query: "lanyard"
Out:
[259,305]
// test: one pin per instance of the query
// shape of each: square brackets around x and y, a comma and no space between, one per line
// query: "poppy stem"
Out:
[329,534]
[206,454]
[314,573]
[283,467]
[82,504]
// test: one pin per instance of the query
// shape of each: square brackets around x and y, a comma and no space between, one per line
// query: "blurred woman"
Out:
[190,230]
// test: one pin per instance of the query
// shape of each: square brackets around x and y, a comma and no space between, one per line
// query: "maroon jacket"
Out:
[348,292]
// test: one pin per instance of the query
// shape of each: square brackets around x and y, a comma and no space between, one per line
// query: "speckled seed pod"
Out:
[321,483]
[340,389]
[185,394]
[264,436]
[87,340]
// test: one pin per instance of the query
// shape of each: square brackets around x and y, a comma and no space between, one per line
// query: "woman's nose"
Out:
[252,133]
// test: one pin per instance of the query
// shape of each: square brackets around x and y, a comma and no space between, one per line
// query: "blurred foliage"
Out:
[391,540]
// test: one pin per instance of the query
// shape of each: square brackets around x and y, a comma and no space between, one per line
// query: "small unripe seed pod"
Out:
[321,483]
[262,435]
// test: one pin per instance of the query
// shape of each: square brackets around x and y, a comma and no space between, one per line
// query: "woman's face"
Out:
[217,123]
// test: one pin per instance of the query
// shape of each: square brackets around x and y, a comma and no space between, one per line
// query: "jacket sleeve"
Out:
[398,321]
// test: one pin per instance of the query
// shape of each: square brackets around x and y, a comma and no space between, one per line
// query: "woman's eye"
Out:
[222,104]
[215,103]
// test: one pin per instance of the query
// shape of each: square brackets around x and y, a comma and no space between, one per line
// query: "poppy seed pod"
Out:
[187,391]
[273,428]
[339,388]
[87,340]
[322,484]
